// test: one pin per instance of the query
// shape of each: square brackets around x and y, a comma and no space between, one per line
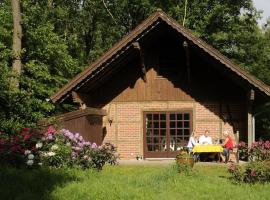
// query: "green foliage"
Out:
[251,173]
[61,37]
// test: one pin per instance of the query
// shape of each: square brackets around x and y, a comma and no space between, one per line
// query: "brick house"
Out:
[158,84]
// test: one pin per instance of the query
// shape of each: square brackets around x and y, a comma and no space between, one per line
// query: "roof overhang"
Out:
[139,32]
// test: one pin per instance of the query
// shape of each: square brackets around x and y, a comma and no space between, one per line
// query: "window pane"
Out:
[156,116]
[163,124]
[149,117]
[148,132]
[163,132]
[156,140]
[186,132]
[172,131]
[156,124]
[186,124]
[172,116]
[172,124]
[150,147]
[156,132]
[186,116]
[179,132]
[148,124]
[162,116]
[179,124]
[149,140]
[179,116]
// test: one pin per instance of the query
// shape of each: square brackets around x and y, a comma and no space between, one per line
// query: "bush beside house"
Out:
[30,148]
[258,169]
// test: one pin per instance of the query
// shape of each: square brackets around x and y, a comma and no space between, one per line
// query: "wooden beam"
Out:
[250,128]
[137,47]
[79,98]
[186,48]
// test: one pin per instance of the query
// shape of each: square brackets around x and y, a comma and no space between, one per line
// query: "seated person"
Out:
[227,145]
[192,142]
[205,138]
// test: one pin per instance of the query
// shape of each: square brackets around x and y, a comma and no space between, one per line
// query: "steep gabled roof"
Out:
[126,43]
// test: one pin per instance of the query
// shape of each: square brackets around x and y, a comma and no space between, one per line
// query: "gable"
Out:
[148,29]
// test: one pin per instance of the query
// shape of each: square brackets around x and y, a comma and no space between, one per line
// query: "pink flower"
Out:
[50,130]
[253,173]
[27,136]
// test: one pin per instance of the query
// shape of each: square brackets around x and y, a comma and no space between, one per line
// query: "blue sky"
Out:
[263,5]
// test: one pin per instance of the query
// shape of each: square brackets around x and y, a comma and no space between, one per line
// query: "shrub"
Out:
[19,148]
[65,148]
[53,149]
[255,171]
[184,161]
[243,150]
[260,151]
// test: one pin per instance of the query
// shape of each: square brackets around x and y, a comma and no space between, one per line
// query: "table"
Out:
[209,148]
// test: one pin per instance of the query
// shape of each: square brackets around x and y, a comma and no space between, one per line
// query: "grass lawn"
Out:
[126,182]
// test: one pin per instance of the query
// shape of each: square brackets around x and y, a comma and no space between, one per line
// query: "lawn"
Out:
[126,182]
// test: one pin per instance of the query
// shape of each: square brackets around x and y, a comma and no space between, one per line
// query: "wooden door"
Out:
[165,133]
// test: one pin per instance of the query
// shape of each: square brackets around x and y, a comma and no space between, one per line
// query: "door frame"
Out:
[165,154]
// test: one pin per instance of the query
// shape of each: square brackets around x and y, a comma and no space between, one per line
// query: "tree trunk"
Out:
[17,41]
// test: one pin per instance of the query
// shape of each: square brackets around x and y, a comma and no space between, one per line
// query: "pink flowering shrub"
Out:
[87,155]
[243,150]
[255,171]
[54,149]
[66,149]
[19,148]
[259,151]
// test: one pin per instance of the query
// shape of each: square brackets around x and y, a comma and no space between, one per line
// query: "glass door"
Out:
[165,132]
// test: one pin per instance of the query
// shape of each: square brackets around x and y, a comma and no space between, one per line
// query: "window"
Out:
[166,131]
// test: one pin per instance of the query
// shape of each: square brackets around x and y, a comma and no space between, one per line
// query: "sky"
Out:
[263,5]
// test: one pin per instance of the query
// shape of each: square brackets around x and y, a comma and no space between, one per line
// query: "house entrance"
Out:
[165,132]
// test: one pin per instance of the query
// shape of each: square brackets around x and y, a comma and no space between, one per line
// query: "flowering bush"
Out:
[85,154]
[19,148]
[260,151]
[243,150]
[256,171]
[64,148]
[54,149]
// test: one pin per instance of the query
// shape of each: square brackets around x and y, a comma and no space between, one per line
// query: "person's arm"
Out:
[225,142]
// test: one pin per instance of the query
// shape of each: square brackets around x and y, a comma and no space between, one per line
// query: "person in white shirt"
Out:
[192,142]
[205,138]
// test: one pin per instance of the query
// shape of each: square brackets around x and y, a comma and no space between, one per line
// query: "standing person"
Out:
[227,145]
[192,142]
[205,138]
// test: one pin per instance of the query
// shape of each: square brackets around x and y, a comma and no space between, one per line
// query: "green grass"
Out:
[127,182]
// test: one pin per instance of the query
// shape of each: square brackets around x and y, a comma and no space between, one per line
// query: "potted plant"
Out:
[184,158]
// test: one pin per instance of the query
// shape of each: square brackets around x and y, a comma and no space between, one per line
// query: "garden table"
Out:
[209,148]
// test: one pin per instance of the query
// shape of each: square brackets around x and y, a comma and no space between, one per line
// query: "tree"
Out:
[17,40]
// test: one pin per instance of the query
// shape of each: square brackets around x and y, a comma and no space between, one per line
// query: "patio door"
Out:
[164,132]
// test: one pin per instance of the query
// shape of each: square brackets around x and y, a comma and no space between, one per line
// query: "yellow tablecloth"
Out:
[207,148]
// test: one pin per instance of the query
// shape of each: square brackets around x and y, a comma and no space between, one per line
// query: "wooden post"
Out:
[251,96]
[186,48]
[137,47]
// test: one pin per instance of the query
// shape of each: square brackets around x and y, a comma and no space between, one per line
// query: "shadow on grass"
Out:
[31,184]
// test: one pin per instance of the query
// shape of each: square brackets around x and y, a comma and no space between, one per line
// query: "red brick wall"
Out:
[126,129]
